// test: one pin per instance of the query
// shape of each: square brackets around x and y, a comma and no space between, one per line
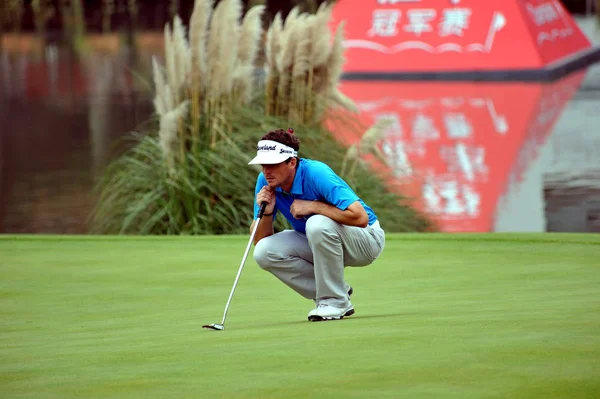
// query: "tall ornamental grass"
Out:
[188,173]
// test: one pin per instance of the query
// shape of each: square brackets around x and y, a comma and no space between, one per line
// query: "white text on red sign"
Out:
[451,22]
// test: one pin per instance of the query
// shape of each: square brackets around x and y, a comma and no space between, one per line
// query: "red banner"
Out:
[451,35]
[455,146]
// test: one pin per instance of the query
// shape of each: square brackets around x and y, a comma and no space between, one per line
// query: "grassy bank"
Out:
[461,316]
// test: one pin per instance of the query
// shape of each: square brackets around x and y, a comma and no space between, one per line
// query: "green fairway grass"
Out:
[437,316]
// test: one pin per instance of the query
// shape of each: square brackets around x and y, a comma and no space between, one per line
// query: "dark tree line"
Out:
[144,15]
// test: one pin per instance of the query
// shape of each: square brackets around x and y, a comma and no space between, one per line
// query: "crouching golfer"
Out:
[332,226]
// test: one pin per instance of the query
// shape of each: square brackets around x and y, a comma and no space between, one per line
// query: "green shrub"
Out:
[189,173]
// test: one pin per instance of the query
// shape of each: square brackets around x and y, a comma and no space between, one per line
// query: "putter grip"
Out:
[262,210]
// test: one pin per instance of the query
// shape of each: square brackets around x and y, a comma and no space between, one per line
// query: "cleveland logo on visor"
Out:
[270,152]
[266,148]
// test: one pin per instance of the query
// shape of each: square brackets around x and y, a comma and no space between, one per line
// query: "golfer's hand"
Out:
[301,208]
[266,194]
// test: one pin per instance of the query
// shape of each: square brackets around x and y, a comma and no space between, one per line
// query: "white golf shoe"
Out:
[327,312]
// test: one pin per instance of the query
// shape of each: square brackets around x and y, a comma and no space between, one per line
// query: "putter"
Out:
[221,326]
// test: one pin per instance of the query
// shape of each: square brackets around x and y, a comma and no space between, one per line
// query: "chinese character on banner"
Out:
[457,125]
[543,14]
[419,21]
[472,200]
[415,104]
[433,200]
[450,191]
[454,21]
[466,159]
[442,197]
[452,102]
[396,156]
[418,149]
[394,129]
[423,128]
[449,198]
[384,23]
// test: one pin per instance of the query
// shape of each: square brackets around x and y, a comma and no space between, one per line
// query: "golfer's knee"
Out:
[261,254]
[318,225]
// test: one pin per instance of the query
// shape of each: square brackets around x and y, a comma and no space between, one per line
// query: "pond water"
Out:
[477,156]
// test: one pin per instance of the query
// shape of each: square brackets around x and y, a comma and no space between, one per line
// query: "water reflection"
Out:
[61,119]
[469,152]
[476,156]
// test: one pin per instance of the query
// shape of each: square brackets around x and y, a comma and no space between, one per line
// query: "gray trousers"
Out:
[313,264]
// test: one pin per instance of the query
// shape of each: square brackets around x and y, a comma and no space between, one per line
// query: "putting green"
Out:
[437,316]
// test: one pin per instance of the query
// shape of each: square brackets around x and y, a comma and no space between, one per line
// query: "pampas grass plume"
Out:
[321,36]
[288,41]
[273,44]
[214,47]
[302,60]
[183,55]
[198,34]
[170,60]
[168,128]
[160,102]
[229,37]
[343,101]
[250,35]
[336,57]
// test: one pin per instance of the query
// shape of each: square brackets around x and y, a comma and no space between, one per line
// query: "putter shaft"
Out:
[237,278]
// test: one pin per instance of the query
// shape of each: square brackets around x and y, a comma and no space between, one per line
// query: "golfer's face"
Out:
[277,174]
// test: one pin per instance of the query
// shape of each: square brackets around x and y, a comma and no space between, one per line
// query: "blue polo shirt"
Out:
[314,181]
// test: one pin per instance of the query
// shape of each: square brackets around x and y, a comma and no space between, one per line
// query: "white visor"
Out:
[270,152]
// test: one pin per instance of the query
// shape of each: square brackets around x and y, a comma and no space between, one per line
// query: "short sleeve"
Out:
[332,188]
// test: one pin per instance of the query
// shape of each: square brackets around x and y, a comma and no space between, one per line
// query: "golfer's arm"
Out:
[354,215]
[265,228]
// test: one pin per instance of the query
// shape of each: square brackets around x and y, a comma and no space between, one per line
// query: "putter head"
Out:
[214,326]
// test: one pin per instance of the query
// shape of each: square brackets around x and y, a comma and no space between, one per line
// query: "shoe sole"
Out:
[319,318]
